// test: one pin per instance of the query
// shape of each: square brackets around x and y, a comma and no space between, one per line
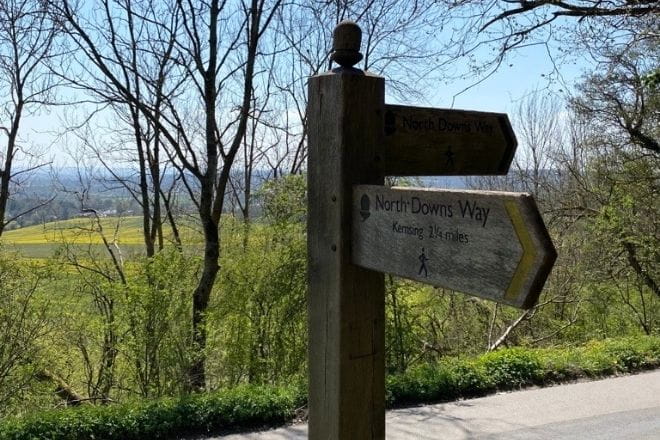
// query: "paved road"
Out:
[624,408]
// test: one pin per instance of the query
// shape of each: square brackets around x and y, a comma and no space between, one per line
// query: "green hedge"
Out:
[256,406]
[241,407]
[518,367]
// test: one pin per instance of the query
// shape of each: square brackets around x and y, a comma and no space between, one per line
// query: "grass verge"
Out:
[241,407]
[514,368]
[258,406]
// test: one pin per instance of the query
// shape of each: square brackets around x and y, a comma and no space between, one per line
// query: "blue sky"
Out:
[526,70]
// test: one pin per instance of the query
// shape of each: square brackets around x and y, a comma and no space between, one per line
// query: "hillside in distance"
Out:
[42,240]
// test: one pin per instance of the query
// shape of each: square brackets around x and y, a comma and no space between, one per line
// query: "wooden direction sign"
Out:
[430,142]
[489,244]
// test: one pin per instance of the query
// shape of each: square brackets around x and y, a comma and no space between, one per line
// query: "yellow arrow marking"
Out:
[529,251]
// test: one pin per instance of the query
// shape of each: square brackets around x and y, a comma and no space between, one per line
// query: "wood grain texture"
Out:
[345,302]
[489,244]
[423,141]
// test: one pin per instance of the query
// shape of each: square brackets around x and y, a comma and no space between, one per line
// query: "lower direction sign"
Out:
[489,244]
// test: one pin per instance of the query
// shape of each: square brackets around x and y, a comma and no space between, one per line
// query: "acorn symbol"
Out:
[364,207]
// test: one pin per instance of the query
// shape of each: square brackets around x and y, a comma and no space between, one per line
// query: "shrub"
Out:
[512,368]
[469,378]
[518,367]
[256,406]
[426,383]
[561,364]
[241,407]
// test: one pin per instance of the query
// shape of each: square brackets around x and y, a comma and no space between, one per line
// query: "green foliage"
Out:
[405,323]
[257,319]
[259,325]
[122,336]
[511,368]
[468,376]
[250,406]
[284,200]
[505,369]
[425,383]
[155,310]
[121,340]
[241,407]
[424,324]
[24,322]
[624,239]
[258,330]
[448,379]
[652,79]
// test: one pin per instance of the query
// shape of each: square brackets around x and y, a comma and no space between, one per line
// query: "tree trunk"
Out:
[201,296]
[502,339]
[5,172]
[62,389]
[639,270]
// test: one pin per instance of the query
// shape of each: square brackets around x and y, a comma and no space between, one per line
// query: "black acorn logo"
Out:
[364,207]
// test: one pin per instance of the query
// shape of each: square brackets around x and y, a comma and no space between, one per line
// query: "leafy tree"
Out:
[284,200]
[486,33]
[154,309]
[214,52]
[618,101]
[24,325]
[627,222]
[260,326]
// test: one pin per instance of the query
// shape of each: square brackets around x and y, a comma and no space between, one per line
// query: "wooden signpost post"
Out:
[346,304]
[493,245]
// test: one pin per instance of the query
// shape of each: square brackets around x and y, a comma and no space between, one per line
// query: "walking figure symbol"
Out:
[423,259]
[450,158]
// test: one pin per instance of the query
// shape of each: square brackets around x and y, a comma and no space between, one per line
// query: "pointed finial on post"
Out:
[346,40]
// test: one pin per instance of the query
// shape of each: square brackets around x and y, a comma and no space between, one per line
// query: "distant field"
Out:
[41,241]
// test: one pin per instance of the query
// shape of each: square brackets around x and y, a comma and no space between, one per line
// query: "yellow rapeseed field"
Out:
[42,240]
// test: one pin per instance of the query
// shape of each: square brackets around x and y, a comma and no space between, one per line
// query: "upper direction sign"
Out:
[489,244]
[430,142]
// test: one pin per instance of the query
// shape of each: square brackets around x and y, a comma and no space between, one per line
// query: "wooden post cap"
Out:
[346,40]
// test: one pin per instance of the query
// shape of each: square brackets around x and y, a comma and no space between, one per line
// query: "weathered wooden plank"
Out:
[489,244]
[345,302]
[423,141]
